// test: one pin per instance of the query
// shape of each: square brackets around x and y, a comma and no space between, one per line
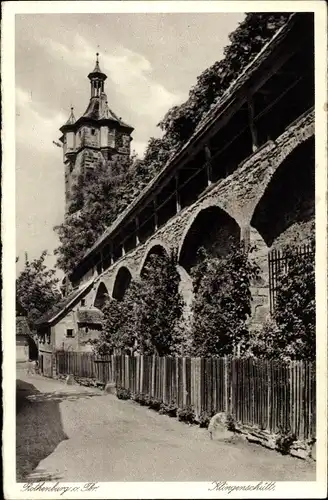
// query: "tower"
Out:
[98,137]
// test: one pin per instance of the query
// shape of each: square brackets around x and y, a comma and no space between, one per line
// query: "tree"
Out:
[147,318]
[160,305]
[98,197]
[37,288]
[222,302]
[291,332]
[117,331]
[246,41]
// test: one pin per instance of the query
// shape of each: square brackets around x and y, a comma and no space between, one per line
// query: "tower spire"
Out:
[97,79]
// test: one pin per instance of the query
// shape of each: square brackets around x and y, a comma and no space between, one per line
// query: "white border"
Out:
[160,490]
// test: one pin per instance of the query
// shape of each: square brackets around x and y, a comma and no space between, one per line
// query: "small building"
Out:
[70,325]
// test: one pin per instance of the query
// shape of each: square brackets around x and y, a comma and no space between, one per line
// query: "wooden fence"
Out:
[278,263]
[85,365]
[266,394]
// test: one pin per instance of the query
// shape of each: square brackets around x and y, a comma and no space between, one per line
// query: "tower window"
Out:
[93,131]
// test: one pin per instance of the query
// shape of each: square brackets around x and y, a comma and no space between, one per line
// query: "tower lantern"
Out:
[97,79]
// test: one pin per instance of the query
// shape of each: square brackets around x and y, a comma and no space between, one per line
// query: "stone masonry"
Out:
[237,195]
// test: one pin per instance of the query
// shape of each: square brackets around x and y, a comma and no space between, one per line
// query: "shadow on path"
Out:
[42,397]
[39,429]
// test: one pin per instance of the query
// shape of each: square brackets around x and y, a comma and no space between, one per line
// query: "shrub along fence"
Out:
[278,262]
[270,395]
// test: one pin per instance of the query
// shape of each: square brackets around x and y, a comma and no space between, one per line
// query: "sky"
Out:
[151,61]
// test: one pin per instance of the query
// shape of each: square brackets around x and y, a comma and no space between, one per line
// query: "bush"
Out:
[146,320]
[169,409]
[231,423]
[142,399]
[290,333]
[205,418]
[284,442]
[222,302]
[122,393]
[155,404]
[186,414]
[295,306]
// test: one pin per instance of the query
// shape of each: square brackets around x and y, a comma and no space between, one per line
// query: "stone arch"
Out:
[121,282]
[285,212]
[102,295]
[156,248]
[212,228]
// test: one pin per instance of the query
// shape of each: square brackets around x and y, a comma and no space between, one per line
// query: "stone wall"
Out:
[238,195]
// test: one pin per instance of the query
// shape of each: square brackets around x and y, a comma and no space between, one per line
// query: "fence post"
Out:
[54,365]
[226,386]
[184,382]
[127,375]
[269,394]
[153,376]
[164,380]
[141,372]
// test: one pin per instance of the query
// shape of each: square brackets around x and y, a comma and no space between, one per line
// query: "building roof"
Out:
[98,109]
[71,120]
[89,315]
[217,109]
[63,306]
[96,73]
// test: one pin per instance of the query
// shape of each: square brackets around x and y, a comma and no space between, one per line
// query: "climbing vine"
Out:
[222,302]
[291,332]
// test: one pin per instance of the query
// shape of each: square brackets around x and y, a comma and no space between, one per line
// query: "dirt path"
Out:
[72,433]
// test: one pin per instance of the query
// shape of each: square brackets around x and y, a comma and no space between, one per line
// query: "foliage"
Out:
[169,409]
[155,404]
[222,301]
[186,414]
[246,41]
[205,418]
[99,196]
[158,306]
[284,441]
[118,332]
[37,288]
[142,399]
[122,393]
[231,423]
[145,320]
[290,334]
